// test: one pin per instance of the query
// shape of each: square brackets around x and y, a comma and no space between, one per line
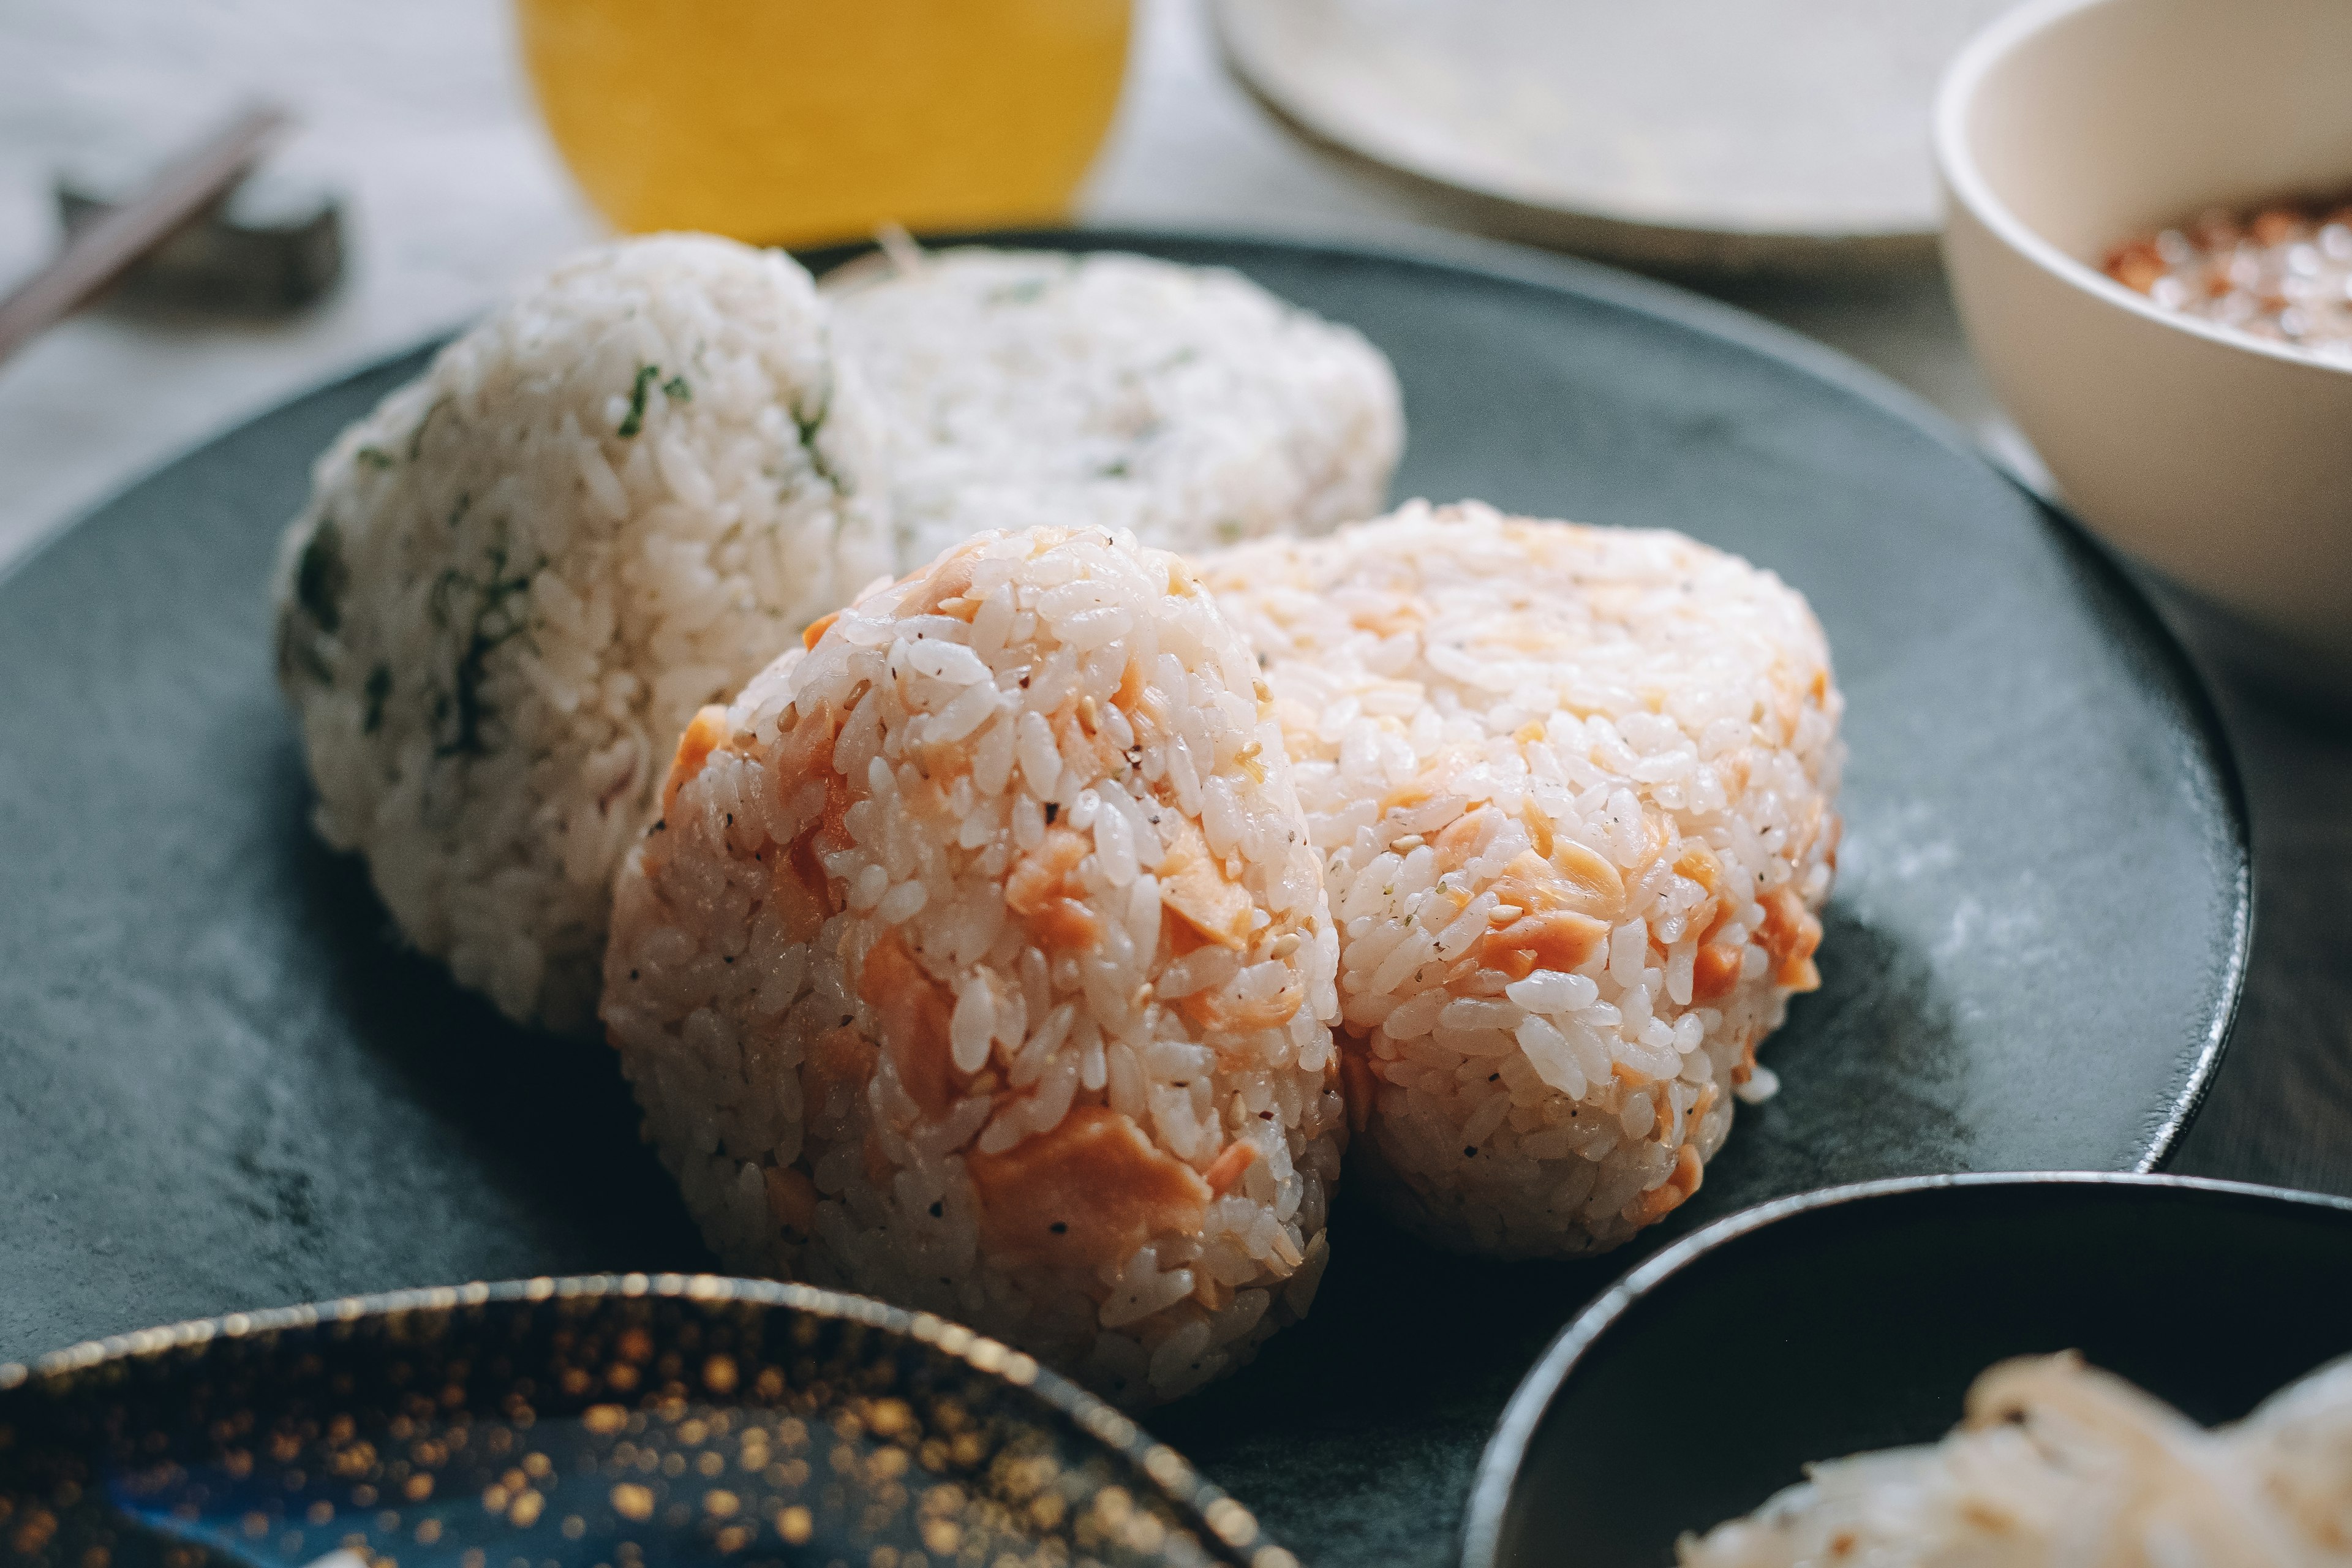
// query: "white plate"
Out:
[1719,134]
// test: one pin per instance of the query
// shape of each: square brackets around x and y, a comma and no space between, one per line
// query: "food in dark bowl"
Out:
[1857,1320]
[2058,1462]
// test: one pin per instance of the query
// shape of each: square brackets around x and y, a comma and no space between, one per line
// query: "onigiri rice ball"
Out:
[518,579]
[1575,793]
[978,961]
[1185,404]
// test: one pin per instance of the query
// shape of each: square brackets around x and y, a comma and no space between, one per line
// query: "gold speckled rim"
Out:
[1222,1520]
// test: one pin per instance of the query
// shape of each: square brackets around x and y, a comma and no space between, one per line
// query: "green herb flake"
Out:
[320,576]
[379,687]
[1028,291]
[809,428]
[417,441]
[676,390]
[457,715]
[646,375]
[373,458]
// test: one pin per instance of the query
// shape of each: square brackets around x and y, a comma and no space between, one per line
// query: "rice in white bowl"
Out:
[518,579]
[1575,791]
[1186,403]
[979,961]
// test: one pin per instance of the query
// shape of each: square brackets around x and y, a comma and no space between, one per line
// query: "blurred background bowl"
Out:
[1855,1318]
[2225,462]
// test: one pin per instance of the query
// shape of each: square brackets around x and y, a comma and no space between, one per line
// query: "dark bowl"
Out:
[624,1422]
[1856,1318]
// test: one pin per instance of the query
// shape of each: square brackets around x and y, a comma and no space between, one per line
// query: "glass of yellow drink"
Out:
[798,121]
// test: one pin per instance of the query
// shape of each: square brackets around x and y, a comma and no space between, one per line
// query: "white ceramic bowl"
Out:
[2071,125]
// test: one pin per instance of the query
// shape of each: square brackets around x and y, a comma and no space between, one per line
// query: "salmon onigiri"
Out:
[1575,793]
[978,961]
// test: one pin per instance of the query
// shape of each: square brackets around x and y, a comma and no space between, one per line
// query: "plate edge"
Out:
[52,534]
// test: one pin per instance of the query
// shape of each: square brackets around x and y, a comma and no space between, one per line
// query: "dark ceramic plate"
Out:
[221,1088]
[1856,1318]
[670,1422]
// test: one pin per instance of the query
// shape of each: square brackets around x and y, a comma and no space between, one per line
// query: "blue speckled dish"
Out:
[624,1422]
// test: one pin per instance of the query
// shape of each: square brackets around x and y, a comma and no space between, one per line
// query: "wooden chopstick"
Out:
[103,250]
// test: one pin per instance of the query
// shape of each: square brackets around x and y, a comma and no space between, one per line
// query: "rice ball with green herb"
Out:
[1113,391]
[606,505]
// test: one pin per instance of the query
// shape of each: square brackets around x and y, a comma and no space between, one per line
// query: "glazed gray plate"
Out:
[1854,1319]
[222,1087]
